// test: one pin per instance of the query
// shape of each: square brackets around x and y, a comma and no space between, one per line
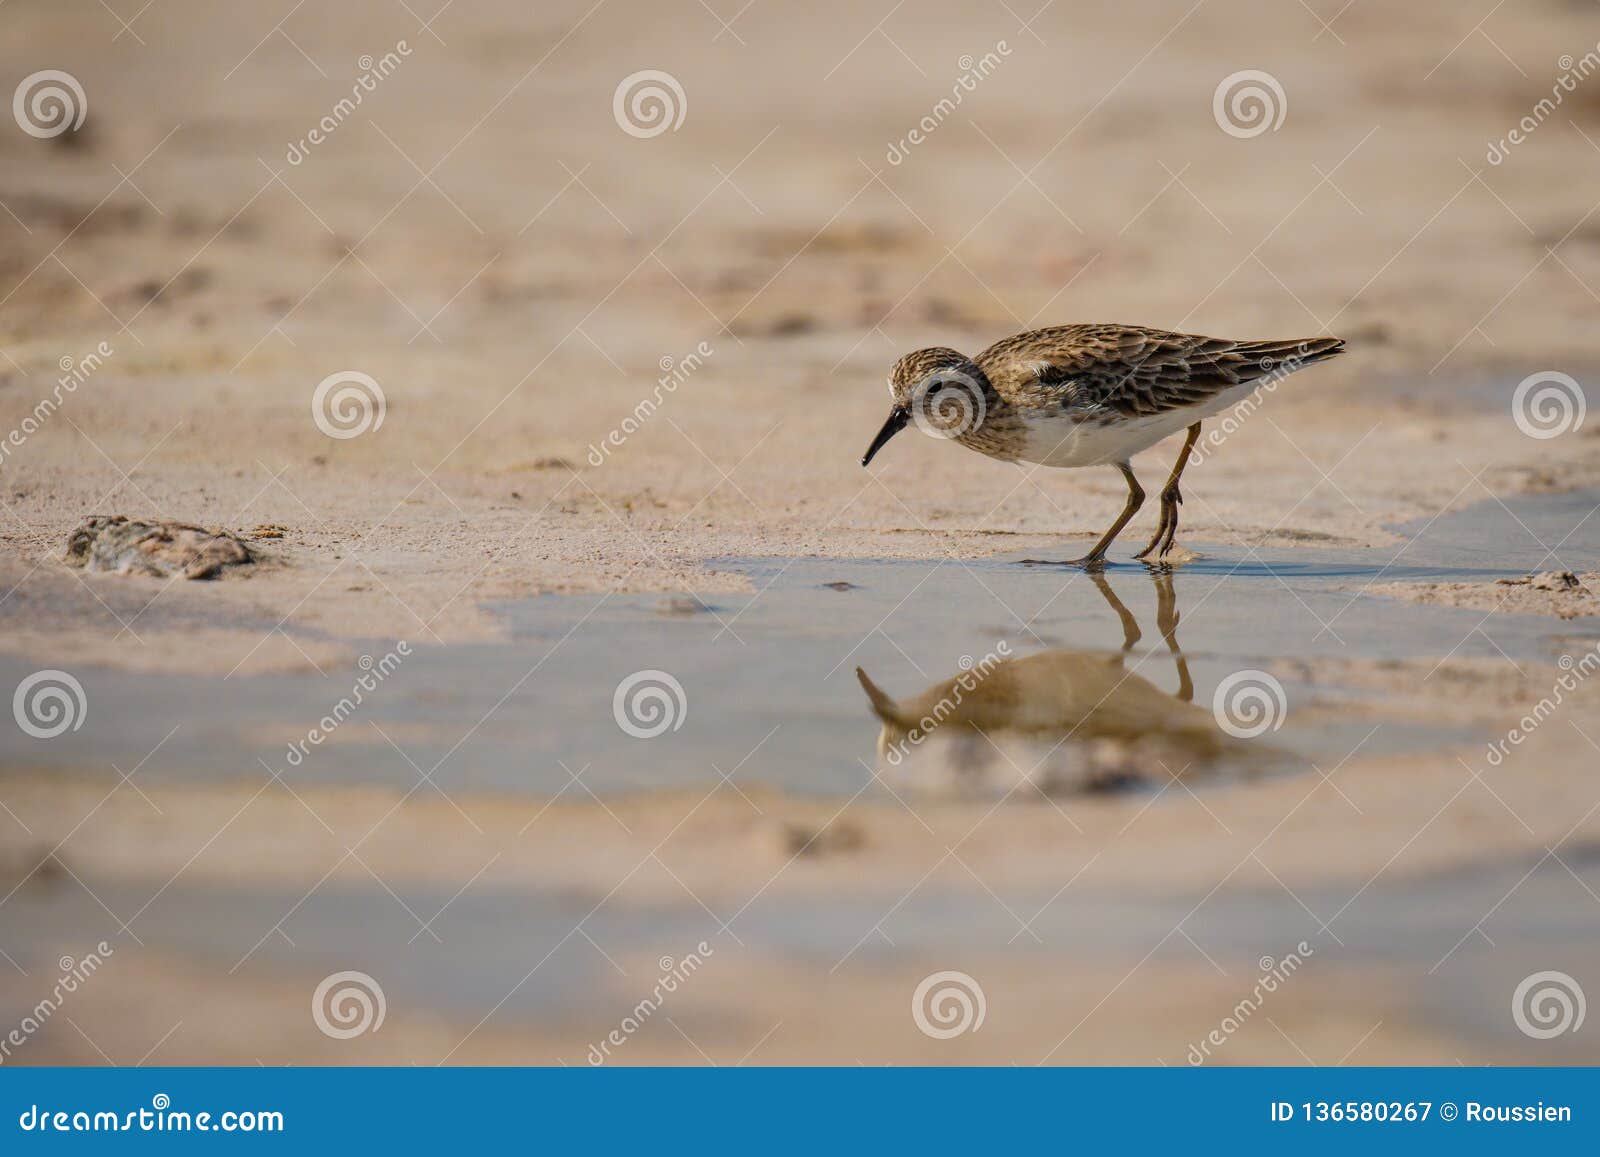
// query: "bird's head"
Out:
[942,390]
[895,728]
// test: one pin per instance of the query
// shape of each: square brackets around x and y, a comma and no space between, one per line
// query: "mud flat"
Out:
[1370,836]
[481,836]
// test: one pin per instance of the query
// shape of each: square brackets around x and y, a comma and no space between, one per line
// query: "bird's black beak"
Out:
[898,417]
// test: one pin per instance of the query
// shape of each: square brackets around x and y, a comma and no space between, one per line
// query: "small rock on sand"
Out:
[793,839]
[1555,592]
[1550,580]
[36,867]
[121,545]
[1180,554]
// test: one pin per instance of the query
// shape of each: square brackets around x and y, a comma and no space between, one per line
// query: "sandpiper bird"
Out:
[1077,720]
[1088,395]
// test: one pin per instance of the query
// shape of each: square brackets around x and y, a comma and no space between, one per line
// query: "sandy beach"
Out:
[612,383]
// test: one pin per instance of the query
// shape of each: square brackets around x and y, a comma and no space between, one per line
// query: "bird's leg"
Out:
[1167,623]
[1172,488]
[1097,556]
[1130,625]
[1171,497]
[1161,528]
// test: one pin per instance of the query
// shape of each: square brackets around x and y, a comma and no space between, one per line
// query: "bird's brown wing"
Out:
[1130,371]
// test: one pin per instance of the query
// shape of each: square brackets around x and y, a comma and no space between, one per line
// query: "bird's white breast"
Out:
[1053,438]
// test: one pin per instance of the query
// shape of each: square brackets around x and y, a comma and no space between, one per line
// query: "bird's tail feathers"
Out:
[1288,356]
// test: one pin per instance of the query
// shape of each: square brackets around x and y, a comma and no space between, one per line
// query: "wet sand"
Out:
[546,328]
[1113,921]
[515,309]
[1138,952]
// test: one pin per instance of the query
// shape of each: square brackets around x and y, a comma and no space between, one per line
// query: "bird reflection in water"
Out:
[1063,720]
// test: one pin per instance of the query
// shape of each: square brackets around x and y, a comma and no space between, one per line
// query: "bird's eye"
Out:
[935,388]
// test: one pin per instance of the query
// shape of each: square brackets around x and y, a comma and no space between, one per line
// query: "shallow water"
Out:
[774,672]
[1426,927]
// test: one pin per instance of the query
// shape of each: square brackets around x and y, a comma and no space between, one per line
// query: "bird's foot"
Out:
[1169,558]
[1159,544]
[1087,562]
[1166,530]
